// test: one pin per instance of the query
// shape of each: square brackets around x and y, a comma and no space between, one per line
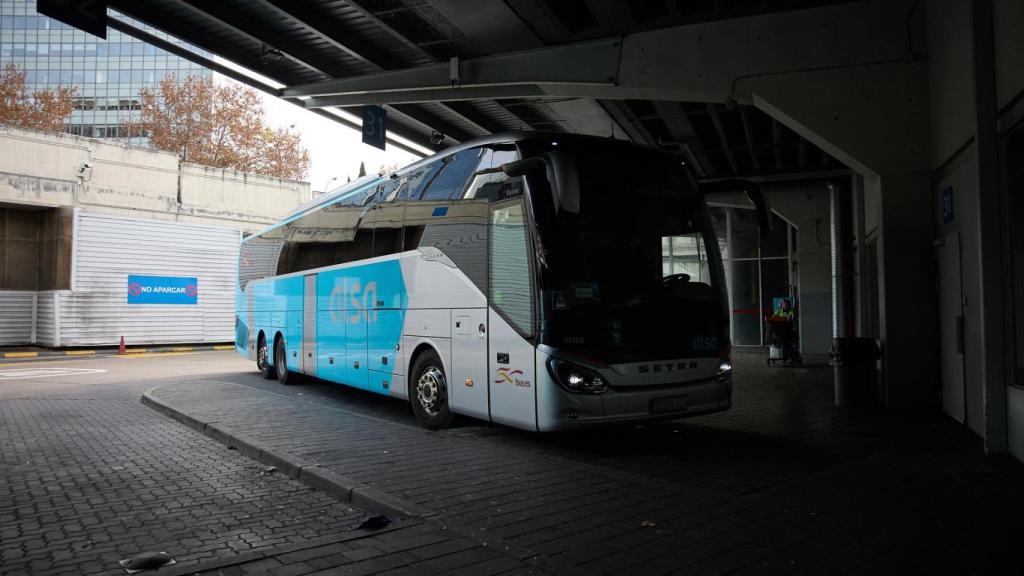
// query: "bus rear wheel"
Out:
[281,362]
[428,392]
[263,358]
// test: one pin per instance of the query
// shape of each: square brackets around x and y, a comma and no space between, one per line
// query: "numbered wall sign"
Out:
[375,126]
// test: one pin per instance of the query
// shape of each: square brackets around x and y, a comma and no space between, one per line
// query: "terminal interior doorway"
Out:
[759,269]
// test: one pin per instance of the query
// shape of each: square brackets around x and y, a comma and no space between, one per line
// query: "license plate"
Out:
[670,404]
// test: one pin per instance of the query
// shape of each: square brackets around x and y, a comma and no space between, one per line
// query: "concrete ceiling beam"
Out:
[594,63]
[670,64]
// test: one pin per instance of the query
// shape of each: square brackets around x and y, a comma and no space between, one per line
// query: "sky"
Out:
[335,151]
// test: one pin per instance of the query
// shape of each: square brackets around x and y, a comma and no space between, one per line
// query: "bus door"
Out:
[309,326]
[512,355]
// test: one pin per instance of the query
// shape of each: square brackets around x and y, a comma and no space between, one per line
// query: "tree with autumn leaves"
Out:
[46,110]
[220,125]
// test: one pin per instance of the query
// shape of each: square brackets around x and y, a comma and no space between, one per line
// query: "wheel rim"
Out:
[261,355]
[430,391]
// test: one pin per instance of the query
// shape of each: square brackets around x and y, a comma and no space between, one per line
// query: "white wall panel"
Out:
[15,317]
[110,248]
[46,334]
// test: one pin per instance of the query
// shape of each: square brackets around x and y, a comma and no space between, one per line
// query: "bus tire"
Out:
[281,362]
[263,358]
[428,392]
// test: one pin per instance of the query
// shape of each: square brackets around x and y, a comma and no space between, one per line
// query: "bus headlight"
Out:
[724,370]
[576,378]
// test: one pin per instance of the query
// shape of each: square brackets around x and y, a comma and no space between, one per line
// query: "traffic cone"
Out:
[120,349]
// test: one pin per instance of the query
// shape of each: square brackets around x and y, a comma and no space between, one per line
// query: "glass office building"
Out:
[107,73]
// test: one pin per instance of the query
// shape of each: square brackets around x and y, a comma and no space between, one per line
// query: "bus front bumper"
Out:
[563,410]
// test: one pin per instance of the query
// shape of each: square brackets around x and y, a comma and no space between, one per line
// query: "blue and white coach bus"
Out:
[520,279]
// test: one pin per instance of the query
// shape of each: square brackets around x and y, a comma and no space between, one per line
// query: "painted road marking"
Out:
[21,354]
[25,373]
[225,347]
[79,352]
[45,360]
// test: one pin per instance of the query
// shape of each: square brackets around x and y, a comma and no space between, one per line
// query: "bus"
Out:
[521,279]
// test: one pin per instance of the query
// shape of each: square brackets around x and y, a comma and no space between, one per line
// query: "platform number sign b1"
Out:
[947,205]
[375,126]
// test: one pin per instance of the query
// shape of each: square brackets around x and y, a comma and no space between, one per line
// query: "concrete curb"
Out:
[196,566]
[311,473]
[16,354]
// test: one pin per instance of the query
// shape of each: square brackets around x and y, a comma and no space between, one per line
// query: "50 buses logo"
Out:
[509,376]
[360,301]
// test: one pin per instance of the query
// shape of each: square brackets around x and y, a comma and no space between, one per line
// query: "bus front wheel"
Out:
[281,362]
[263,359]
[428,392]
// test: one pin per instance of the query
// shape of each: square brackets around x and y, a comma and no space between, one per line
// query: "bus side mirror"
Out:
[522,167]
[728,189]
[560,169]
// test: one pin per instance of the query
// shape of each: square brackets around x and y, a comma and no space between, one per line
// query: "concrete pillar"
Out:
[907,293]
[990,229]
[861,228]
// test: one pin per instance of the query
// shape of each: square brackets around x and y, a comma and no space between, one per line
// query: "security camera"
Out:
[85,172]
[436,138]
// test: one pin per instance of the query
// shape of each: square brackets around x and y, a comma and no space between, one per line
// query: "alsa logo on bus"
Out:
[705,343]
[359,300]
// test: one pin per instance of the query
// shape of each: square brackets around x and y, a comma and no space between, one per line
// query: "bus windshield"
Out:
[635,273]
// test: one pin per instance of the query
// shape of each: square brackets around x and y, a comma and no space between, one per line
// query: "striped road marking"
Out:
[26,373]
[130,352]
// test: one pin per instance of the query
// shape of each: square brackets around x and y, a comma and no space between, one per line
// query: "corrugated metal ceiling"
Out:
[301,41]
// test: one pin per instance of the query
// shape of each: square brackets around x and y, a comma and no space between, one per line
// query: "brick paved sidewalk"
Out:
[783,482]
[87,481]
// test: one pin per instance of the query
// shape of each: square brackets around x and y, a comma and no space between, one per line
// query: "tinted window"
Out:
[634,273]
[385,219]
[258,259]
[333,234]
[414,182]
[463,239]
[452,179]
[457,225]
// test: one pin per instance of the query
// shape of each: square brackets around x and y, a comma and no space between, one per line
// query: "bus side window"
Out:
[453,177]
[449,221]
[258,258]
[489,182]
[415,182]
[384,219]
[324,237]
